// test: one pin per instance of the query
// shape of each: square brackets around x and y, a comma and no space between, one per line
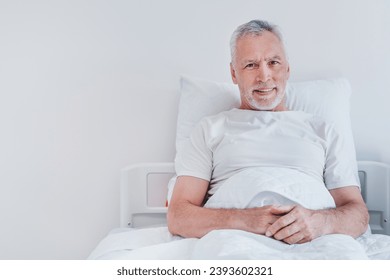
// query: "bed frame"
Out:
[143,193]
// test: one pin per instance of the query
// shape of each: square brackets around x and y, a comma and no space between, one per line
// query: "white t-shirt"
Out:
[225,144]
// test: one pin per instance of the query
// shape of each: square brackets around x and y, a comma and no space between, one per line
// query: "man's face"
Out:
[260,69]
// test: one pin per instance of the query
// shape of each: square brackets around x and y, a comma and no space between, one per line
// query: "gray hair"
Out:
[254,28]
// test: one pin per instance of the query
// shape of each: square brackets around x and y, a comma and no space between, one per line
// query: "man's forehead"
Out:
[267,45]
[254,58]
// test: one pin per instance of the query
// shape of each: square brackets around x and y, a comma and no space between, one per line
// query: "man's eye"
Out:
[274,62]
[250,65]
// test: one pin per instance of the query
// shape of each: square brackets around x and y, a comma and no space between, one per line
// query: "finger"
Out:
[281,209]
[288,232]
[303,240]
[280,223]
[297,238]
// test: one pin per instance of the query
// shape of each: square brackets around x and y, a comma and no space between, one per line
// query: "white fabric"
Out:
[235,244]
[260,186]
[199,98]
[232,141]
[329,99]
[158,243]
[232,244]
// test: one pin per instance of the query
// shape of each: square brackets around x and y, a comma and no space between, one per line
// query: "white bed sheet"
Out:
[249,188]
[158,244]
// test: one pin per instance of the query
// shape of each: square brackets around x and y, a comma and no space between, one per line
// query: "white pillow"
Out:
[200,98]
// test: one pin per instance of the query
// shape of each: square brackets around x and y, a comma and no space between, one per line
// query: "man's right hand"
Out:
[258,219]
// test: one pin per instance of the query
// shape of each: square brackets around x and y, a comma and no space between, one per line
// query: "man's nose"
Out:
[263,73]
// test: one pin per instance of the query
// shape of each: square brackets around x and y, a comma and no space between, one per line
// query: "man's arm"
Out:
[187,217]
[302,225]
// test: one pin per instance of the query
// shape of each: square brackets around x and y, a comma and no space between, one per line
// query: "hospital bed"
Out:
[146,188]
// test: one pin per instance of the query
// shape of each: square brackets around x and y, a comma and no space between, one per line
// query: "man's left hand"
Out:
[298,226]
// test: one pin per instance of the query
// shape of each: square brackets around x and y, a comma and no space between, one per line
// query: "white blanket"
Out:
[249,188]
[271,185]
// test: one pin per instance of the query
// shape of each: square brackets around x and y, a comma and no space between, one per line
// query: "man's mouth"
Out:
[263,90]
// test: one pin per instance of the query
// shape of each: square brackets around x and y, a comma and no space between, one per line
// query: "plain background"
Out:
[88,87]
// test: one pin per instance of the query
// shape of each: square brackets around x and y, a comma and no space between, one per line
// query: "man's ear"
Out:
[233,73]
[288,71]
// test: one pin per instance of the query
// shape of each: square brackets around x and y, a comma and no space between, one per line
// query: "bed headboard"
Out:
[144,190]
[143,193]
[375,182]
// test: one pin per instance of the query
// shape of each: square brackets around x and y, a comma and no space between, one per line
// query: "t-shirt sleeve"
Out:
[194,157]
[340,165]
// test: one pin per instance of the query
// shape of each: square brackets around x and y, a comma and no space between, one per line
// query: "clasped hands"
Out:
[296,224]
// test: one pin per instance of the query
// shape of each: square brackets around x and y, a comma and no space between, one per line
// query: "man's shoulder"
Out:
[221,116]
[321,126]
[316,120]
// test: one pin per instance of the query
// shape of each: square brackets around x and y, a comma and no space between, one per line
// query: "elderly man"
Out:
[261,133]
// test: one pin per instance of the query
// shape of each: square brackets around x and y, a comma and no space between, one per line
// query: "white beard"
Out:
[264,104]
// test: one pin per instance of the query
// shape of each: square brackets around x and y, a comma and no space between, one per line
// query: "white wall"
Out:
[87,87]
